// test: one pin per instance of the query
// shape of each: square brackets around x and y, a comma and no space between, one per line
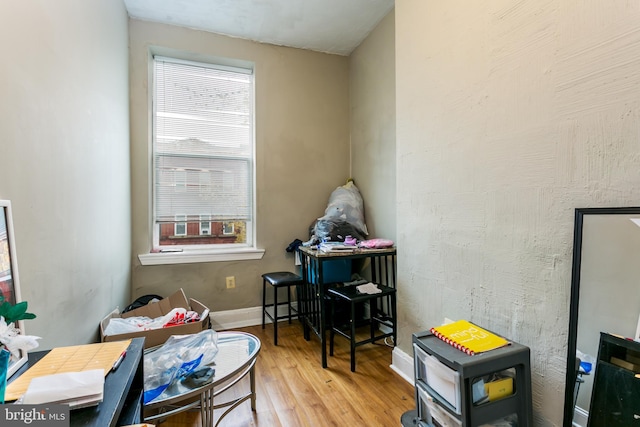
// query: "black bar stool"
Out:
[382,308]
[280,279]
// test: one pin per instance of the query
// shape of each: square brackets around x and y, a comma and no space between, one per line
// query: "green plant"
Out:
[14,312]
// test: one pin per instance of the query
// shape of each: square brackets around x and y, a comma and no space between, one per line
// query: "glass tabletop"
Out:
[236,350]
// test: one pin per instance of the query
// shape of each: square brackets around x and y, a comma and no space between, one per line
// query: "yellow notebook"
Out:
[467,337]
[499,388]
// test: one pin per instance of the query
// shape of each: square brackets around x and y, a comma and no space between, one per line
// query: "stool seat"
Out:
[282,278]
[382,308]
[277,280]
[351,293]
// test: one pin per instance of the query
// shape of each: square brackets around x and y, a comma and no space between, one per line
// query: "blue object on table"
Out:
[333,271]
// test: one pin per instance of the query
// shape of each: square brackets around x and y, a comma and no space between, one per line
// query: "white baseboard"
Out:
[402,364]
[580,417]
[233,319]
[243,317]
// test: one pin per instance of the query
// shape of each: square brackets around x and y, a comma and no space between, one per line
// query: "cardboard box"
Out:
[153,310]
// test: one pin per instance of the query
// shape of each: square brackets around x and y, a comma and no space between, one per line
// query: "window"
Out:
[203,148]
[180,225]
[205,225]
[228,228]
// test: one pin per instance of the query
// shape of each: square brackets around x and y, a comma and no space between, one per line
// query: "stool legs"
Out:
[378,316]
[289,302]
[275,315]
[277,280]
[352,322]
[275,309]
[264,300]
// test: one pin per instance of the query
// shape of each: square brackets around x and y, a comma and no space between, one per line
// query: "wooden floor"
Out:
[294,391]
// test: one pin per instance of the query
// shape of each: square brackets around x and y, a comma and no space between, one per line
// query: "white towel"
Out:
[369,288]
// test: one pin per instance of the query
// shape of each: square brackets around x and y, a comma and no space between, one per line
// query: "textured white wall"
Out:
[373,127]
[509,116]
[64,160]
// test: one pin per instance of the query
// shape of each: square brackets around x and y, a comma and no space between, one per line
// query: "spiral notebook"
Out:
[467,337]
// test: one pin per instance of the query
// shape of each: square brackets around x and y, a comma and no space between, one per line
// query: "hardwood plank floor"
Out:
[294,391]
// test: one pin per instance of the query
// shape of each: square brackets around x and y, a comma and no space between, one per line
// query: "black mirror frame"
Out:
[570,377]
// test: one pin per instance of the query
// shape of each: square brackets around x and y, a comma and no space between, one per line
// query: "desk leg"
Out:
[323,338]
[323,321]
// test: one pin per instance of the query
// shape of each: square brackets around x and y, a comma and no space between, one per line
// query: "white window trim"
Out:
[188,256]
[194,256]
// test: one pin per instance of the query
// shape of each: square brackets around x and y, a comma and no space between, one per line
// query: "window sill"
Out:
[187,257]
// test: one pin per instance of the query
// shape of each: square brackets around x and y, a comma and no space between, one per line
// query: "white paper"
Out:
[74,388]
[369,288]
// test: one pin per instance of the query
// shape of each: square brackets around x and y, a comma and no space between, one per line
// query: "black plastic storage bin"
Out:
[445,378]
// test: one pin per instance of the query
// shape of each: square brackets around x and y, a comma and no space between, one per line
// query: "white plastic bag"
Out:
[118,325]
[586,361]
[345,206]
[140,323]
[177,358]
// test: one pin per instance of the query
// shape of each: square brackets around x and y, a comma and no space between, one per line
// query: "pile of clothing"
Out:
[177,316]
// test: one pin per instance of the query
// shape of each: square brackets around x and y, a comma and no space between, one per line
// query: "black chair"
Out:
[383,312]
[280,279]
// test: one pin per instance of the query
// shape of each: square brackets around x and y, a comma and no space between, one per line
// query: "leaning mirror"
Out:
[9,281]
[605,297]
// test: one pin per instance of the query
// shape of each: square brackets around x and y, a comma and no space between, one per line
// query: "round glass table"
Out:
[236,357]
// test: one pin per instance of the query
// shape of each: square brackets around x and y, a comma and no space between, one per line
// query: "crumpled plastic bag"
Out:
[586,361]
[179,356]
[344,214]
[335,230]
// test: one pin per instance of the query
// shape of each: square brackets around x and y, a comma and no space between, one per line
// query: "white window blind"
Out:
[203,141]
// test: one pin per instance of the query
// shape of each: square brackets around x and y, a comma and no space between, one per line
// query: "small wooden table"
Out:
[237,354]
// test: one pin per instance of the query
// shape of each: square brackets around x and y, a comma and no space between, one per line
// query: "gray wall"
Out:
[64,156]
[302,145]
[509,116]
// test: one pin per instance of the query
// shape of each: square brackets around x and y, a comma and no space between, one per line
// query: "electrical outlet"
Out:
[231,282]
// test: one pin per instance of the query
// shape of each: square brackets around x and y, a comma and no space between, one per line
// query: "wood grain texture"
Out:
[294,391]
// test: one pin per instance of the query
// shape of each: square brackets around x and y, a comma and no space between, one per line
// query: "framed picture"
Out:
[9,279]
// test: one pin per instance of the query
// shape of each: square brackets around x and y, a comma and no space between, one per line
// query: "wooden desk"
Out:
[311,297]
[122,404]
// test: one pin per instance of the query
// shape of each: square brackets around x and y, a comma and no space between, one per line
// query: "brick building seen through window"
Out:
[193,231]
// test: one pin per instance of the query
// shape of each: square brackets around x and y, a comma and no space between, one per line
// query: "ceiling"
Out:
[332,26]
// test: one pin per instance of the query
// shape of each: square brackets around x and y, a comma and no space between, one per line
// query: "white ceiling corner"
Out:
[331,26]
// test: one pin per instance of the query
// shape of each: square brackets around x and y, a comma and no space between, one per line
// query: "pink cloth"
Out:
[376,243]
